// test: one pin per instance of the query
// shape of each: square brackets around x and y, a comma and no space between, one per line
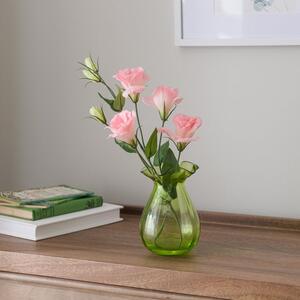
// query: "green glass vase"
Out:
[169,225]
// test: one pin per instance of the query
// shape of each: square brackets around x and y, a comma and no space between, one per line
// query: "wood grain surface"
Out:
[231,262]
[236,219]
[16,287]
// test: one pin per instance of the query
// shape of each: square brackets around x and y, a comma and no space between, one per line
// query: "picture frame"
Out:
[237,23]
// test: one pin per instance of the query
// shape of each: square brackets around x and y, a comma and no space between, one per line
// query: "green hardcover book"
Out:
[42,210]
[31,196]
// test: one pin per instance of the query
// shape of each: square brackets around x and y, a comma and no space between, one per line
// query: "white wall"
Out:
[6,89]
[248,149]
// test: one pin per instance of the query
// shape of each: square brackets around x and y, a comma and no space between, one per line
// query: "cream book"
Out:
[59,225]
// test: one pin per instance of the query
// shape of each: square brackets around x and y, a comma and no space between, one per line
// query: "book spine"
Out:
[63,197]
[67,206]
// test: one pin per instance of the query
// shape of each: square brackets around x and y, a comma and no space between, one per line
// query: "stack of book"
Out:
[46,212]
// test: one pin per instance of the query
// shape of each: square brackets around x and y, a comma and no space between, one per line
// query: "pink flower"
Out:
[122,126]
[164,99]
[132,80]
[185,128]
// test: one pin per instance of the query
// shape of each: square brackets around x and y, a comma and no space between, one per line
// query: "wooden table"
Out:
[232,262]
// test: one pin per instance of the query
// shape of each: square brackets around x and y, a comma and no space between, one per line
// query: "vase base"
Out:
[163,252]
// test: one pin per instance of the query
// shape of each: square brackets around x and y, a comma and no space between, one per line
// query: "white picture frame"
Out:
[189,17]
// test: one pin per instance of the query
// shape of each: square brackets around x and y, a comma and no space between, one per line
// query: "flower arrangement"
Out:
[160,162]
[159,159]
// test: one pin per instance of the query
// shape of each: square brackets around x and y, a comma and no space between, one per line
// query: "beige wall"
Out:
[248,97]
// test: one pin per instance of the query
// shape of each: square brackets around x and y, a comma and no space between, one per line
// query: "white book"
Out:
[54,226]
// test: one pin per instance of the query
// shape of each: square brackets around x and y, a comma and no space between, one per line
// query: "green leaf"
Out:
[170,166]
[170,163]
[161,154]
[125,146]
[119,102]
[189,167]
[151,146]
[169,186]
[186,170]
[179,176]
[171,189]
[146,172]
[116,104]
[108,101]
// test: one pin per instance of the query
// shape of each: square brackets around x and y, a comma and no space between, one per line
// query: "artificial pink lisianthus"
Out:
[132,80]
[164,99]
[185,128]
[122,126]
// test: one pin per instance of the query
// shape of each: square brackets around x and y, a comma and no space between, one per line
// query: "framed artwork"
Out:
[237,22]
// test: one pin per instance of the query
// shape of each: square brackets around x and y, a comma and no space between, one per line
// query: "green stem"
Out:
[179,154]
[139,124]
[159,146]
[144,161]
[142,145]
[110,90]
[160,231]
[177,220]
[148,159]
[163,224]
